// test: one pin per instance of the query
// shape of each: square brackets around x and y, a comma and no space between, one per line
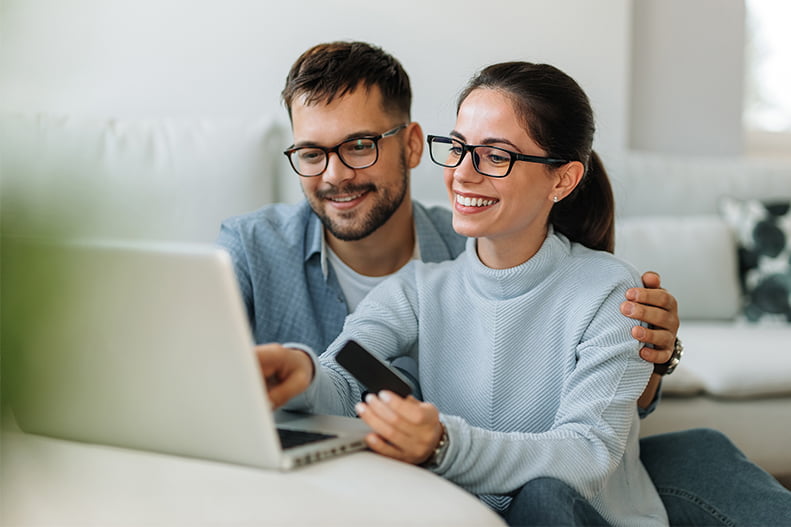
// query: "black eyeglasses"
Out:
[357,152]
[488,160]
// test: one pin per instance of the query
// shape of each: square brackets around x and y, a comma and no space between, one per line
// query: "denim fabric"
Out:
[701,476]
[704,479]
[548,501]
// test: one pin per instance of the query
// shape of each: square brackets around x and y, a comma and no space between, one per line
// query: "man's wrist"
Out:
[666,368]
[308,351]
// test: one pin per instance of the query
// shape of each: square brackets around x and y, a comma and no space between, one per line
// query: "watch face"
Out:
[672,366]
[668,367]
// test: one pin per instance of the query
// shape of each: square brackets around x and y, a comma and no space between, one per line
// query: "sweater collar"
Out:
[516,281]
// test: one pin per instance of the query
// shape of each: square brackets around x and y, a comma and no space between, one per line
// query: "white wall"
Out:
[205,58]
[688,76]
[663,75]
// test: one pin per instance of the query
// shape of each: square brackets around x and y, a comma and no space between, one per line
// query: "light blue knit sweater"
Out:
[533,370]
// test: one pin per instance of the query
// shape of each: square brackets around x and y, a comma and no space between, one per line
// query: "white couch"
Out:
[176,180]
[735,375]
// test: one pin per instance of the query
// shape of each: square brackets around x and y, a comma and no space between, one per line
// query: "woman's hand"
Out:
[404,428]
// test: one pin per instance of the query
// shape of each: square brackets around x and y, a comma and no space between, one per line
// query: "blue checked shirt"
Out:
[289,294]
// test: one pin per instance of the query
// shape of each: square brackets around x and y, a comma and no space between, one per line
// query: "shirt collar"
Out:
[314,239]
[429,232]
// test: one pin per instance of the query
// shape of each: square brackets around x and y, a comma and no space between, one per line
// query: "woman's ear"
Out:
[569,176]
[414,144]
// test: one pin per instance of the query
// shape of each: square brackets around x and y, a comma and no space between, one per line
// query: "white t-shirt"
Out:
[353,284]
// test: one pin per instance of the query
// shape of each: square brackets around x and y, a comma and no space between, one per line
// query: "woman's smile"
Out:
[471,201]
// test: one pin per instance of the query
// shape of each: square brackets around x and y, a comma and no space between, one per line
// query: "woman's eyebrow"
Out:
[487,141]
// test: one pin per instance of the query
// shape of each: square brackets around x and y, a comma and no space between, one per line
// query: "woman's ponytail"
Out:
[587,215]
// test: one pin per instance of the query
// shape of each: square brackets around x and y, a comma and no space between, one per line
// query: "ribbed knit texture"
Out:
[532,368]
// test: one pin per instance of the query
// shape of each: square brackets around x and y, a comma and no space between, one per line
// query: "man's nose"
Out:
[336,171]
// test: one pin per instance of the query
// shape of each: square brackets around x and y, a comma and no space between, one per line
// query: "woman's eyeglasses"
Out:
[490,161]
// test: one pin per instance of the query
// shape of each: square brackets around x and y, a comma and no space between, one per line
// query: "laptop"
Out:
[149,347]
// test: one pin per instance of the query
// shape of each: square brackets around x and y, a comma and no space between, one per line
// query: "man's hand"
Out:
[404,428]
[286,371]
[659,309]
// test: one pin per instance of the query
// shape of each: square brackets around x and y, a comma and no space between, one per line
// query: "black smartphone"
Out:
[372,373]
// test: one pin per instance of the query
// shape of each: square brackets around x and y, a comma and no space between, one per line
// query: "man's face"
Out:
[353,203]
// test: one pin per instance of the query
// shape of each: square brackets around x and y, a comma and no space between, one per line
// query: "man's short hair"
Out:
[333,69]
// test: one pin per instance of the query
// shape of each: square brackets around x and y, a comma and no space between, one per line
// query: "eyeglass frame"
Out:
[336,149]
[513,156]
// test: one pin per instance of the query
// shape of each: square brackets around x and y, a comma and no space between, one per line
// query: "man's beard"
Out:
[385,207]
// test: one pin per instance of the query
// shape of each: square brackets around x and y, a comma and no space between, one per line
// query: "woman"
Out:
[505,404]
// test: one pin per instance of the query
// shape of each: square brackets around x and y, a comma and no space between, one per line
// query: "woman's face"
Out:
[508,215]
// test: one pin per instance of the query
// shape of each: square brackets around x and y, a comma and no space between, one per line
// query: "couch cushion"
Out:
[695,256]
[683,382]
[764,233]
[732,360]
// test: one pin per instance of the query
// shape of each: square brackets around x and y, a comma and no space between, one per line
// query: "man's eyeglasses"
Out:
[357,152]
[490,161]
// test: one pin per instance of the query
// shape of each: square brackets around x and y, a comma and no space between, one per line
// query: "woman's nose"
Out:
[466,170]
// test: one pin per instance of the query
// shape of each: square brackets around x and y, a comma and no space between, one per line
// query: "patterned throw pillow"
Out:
[763,230]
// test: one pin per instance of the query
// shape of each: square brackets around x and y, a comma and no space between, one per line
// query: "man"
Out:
[302,268]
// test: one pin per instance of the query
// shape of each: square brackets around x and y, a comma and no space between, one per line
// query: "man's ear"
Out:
[414,144]
[569,176]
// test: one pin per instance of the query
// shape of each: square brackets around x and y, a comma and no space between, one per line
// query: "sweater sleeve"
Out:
[594,420]
[384,323]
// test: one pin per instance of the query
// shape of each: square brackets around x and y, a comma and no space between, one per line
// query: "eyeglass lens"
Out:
[355,153]
[489,161]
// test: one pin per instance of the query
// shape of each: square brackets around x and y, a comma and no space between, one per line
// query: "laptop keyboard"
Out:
[293,438]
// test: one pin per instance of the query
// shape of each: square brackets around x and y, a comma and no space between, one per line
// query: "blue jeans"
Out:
[548,501]
[701,476]
[704,479]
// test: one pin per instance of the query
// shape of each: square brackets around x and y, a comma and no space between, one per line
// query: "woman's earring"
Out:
[555,199]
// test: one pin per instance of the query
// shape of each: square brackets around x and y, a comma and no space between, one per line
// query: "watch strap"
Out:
[436,457]
[666,368]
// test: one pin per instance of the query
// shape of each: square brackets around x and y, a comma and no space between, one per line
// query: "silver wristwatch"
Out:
[439,451]
[666,368]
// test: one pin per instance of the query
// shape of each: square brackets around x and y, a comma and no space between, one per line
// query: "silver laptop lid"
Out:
[144,346]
